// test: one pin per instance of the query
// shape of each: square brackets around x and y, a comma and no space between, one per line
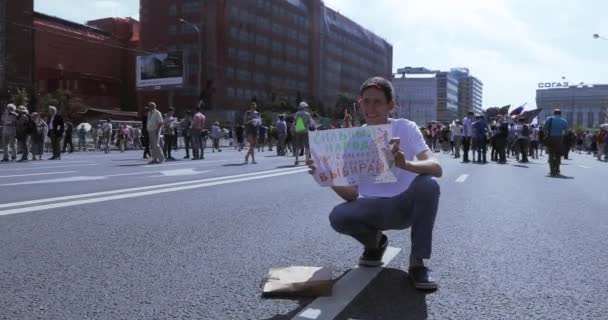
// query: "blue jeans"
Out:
[364,218]
[198,151]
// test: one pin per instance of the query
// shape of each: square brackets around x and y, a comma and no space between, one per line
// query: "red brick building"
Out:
[16,47]
[266,50]
[94,61]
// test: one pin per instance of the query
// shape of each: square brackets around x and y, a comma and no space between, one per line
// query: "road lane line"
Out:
[584,167]
[76,179]
[141,194]
[37,174]
[53,167]
[184,163]
[344,291]
[102,193]
[462,178]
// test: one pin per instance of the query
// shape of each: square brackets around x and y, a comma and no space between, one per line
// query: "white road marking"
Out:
[166,185]
[53,167]
[184,163]
[57,162]
[140,194]
[37,174]
[345,291]
[181,172]
[584,167]
[462,178]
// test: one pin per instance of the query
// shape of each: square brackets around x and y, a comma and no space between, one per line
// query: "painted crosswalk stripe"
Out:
[157,186]
[344,291]
[584,167]
[127,195]
[37,174]
[462,178]
[52,167]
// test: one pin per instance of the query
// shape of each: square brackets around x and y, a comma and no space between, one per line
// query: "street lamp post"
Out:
[200,55]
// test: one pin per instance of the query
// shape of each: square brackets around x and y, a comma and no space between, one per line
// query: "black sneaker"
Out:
[421,279]
[372,257]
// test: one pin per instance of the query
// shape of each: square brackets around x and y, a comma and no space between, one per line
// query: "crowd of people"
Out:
[471,138]
[512,137]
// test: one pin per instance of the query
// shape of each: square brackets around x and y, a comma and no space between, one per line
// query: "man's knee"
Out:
[339,218]
[426,187]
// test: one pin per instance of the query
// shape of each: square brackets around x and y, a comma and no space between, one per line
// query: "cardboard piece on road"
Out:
[298,281]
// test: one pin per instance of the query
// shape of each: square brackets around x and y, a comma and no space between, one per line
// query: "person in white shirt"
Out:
[154,125]
[457,131]
[467,135]
[412,201]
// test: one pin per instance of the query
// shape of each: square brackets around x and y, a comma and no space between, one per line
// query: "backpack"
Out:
[300,124]
[525,130]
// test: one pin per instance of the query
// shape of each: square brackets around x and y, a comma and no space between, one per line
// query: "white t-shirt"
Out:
[412,143]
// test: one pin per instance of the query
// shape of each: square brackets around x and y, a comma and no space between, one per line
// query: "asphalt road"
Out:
[99,236]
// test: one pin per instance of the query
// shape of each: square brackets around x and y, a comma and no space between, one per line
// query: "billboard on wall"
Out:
[160,69]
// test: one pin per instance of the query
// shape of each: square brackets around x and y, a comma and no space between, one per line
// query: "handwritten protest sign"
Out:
[348,157]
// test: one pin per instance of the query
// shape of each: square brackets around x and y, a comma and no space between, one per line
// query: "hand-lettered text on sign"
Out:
[348,157]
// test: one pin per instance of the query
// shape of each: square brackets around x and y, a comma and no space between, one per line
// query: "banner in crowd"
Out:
[350,156]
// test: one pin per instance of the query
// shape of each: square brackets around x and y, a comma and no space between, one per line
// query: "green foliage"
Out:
[268,118]
[68,104]
[20,98]
[345,101]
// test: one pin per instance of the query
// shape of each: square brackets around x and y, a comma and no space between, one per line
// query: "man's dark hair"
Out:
[471,113]
[171,109]
[557,112]
[381,84]
[109,120]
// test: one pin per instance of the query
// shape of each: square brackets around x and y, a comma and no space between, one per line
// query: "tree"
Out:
[345,101]
[68,104]
[20,98]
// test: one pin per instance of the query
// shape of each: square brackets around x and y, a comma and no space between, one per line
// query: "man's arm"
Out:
[347,193]
[426,163]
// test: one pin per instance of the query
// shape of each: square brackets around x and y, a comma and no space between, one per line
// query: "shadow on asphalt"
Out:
[289,166]
[389,296]
[234,164]
[520,166]
[561,177]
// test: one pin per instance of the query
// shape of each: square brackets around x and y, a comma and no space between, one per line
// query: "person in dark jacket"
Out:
[56,128]
[24,125]
[67,138]
[144,134]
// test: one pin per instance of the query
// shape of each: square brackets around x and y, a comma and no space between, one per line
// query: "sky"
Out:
[510,45]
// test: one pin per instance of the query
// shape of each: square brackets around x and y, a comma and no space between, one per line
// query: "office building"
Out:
[416,97]
[470,92]
[426,95]
[267,50]
[583,106]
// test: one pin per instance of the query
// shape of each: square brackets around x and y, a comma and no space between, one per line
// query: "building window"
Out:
[243,75]
[261,59]
[173,10]
[260,78]
[244,56]
[232,52]
[229,73]
[192,7]
[172,29]
[590,119]
[261,41]
[230,92]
